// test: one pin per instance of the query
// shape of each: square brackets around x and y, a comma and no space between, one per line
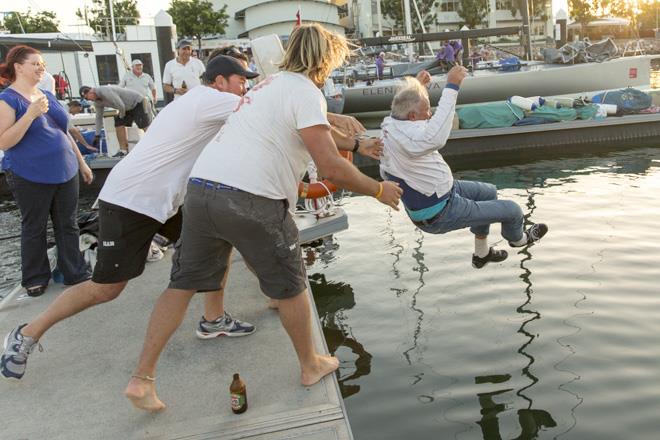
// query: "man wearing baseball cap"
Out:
[183,72]
[142,196]
[136,79]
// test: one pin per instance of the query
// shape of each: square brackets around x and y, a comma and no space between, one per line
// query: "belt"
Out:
[429,221]
[211,184]
[447,199]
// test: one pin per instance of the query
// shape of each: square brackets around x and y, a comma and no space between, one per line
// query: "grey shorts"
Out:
[215,220]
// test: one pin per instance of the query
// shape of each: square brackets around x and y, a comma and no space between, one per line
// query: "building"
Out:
[364,17]
[89,60]
[255,18]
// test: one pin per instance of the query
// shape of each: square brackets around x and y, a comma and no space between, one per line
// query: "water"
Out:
[559,341]
[10,242]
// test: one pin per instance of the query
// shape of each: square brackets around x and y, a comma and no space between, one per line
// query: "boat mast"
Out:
[526,34]
[408,20]
[380,18]
[112,21]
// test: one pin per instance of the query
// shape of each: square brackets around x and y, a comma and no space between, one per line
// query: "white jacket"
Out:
[411,148]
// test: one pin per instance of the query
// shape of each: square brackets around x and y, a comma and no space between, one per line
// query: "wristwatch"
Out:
[356,146]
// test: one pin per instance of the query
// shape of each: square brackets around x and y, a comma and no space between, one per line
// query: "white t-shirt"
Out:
[152,179]
[176,73]
[259,150]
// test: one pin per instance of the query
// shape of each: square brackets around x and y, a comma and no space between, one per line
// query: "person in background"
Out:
[239,193]
[434,201]
[458,51]
[136,79]
[231,51]
[74,109]
[142,196]
[380,65]
[183,72]
[446,56]
[41,165]
[61,86]
[253,65]
[132,107]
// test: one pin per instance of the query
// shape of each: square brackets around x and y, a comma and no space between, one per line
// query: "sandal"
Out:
[35,291]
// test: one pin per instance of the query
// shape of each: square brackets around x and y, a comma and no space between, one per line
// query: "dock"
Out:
[74,388]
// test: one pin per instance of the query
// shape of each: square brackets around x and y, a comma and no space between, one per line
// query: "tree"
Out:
[642,14]
[473,12]
[30,22]
[195,18]
[537,8]
[394,10]
[98,16]
[582,11]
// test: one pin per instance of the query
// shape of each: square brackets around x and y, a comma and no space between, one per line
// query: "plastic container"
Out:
[268,53]
[565,102]
[538,100]
[523,103]
[610,109]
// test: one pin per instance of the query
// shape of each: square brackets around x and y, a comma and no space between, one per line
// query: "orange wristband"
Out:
[380,190]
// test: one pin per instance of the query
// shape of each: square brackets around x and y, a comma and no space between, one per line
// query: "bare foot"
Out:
[324,366]
[142,394]
[273,304]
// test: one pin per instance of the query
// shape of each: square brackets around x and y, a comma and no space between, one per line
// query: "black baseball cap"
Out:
[226,66]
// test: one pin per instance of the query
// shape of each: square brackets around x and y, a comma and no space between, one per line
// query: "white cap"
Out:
[382,54]
[136,62]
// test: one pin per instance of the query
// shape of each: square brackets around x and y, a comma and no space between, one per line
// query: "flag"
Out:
[298,18]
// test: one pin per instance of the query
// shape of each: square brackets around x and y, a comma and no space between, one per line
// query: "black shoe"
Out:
[494,256]
[534,234]
[120,153]
[36,291]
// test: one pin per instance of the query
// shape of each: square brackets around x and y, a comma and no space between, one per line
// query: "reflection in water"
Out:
[421,268]
[332,299]
[530,420]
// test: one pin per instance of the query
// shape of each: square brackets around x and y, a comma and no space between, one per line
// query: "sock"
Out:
[481,247]
[521,242]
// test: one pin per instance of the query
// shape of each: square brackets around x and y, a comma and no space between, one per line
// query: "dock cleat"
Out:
[17,349]
[533,234]
[223,326]
[494,256]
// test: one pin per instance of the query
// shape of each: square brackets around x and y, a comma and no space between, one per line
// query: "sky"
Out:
[65,9]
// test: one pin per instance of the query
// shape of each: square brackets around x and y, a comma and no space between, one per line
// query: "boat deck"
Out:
[73,390]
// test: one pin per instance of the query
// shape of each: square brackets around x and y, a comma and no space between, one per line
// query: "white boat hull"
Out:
[539,80]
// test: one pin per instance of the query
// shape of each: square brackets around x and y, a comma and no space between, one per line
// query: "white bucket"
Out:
[268,53]
[523,103]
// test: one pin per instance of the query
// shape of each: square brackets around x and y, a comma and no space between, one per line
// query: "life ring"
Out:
[323,188]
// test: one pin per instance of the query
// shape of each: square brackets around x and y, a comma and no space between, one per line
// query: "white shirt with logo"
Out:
[152,178]
[259,150]
[176,73]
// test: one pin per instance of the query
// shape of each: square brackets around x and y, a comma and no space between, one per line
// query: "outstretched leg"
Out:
[72,301]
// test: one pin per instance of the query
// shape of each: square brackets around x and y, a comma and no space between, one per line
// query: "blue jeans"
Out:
[475,205]
[38,201]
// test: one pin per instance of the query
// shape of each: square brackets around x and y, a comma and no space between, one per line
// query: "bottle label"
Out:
[237,401]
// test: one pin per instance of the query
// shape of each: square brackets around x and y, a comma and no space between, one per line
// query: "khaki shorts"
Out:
[216,219]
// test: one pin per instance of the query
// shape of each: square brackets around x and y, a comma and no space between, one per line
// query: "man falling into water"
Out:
[434,201]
